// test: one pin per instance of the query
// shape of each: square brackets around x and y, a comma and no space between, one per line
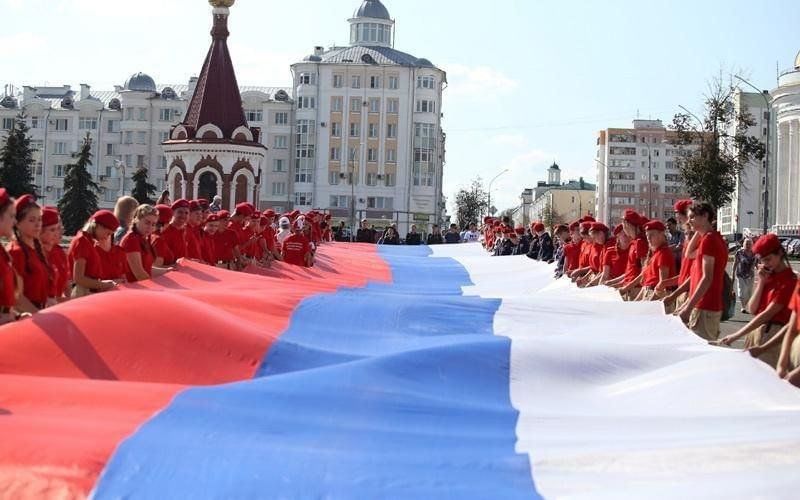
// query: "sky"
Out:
[530,82]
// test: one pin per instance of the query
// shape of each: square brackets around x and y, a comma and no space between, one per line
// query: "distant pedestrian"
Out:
[164,199]
[413,237]
[216,204]
[744,264]
[435,238]
[452,236]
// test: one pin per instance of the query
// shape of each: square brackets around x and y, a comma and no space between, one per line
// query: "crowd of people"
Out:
[391,236]
[136,243]
[683,264]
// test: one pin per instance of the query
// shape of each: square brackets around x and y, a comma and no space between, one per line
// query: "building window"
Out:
[307,79]
[282,118]
[254,115]
[166,114]
[142,114]
[336,129]
[389,179]
[426,82]
[355,130]
[279,165]
[374,105]
[372,179]
[303,199]
[59,170]
[34,122]
[393,106]
[355,82]
[380,203]
[281,142]
[424,135]
[338,81]
[394,82]
[60,148]
[336,104]
[87,123]
[425,106]
[113,126]
[372,155]
[672,178]
[355,104]
[59,193]
[391,131]
[111,149]
[141,137]
[374,82]
[422,171]
[306,103]
[336,154]
[163,136]
[278,189]
[163,161]
[333,178]
[305,131]
[128,137]
[304,170]
[140,161]
[62,125]
[339,201]
[8,123]
[391,155]
[372,130]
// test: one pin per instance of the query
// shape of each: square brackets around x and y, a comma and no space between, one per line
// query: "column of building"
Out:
[793,212]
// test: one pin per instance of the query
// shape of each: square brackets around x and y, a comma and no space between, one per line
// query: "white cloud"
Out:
[477,80]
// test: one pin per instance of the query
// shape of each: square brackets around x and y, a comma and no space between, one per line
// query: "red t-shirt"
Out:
[269,236]
[686,265]
[135,243]
[115,263]
[596,257]
[176,241]
[571,253]
[794,304]
[295,248]
[162,249]
[242,233]
[617,260]
[194,248]
[82,247]
[712,245]
[636,253]
[8,280]
[61,270]
[662,257]
[779,288]
[208,248]
[584,254]
[224,242]
[36,283]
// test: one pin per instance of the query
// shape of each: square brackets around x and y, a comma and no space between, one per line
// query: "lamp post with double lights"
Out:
[489,201]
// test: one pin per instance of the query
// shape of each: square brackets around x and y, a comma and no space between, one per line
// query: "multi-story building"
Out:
[555,202]
[638,168]
[785,190]
[745,213]
[127,126]
[368,141]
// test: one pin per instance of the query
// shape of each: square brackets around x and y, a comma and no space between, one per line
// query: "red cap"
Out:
[682,206]
[203,203]
[49,216]
[181,204]
[194,206]
[599,226]
[575,225]
[655,225]
[212,218]
[617,229]
[244,210]
[766,245]
[264,220]
[164,214]
[519,230]
[487,220]
[561,228]
[328,217]
[538,227]
[223,214]
[586,226]
[632,217]
[588,218]
[24,202]
[496,223]
[269,213]
[107,219]
[4,198]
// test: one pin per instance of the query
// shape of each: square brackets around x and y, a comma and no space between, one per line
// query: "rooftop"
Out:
[373,9]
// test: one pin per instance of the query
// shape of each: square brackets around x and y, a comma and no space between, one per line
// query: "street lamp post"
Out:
[489,208]
[352,196]
[763,94]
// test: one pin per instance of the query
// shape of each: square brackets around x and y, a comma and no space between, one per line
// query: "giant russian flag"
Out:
[384,372]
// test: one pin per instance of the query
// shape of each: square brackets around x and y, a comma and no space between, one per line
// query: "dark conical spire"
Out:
[216,98]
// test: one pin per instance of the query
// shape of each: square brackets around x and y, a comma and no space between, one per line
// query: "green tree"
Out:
[549,217]
[16,160]
[143,191]
[471,203]
[710,173]
[80,191]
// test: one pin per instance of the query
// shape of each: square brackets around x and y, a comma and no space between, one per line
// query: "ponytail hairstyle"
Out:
[37,245]
[5,202]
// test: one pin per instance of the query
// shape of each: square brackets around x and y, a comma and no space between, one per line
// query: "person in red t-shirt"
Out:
[194,227]
[269,235]
[208,241]
[174,235]
[226,243]
[297,248]
[164,256]
[660,266]
[614,258]
[114,261]
[52,232]
[572,249]
[83,258]
[10,282]
[631,282]
[140,255]
[688,250]
[789,361]
[600,234]
[769,303]
[702,311]
[28,258]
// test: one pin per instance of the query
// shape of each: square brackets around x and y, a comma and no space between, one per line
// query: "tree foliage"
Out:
[80,191]
[143,191]
[549,216]
[471,203]
[710,174]
[16,160]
